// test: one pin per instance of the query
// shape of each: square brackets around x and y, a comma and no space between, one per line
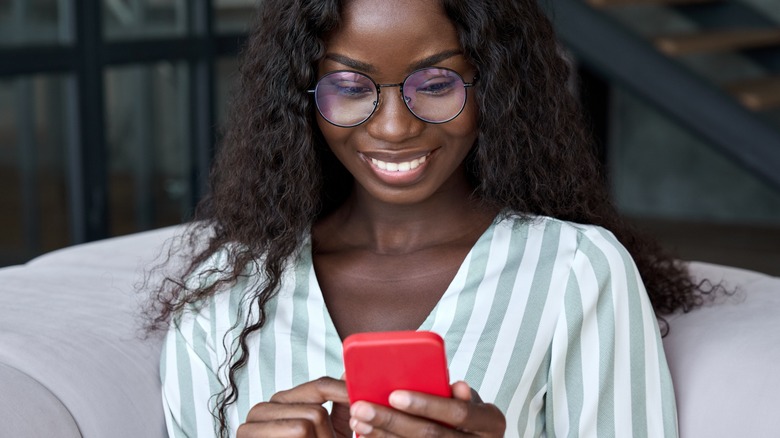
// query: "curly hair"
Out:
[274,175]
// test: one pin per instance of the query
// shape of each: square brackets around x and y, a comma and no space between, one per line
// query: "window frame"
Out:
[84,61]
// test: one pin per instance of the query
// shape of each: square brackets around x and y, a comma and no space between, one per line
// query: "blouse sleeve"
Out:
[608,372]
[188,371]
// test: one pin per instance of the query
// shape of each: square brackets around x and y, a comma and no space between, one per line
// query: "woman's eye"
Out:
[436,86]
[353,89]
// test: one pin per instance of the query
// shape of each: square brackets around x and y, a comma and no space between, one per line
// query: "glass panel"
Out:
[227,78]
[233,16]
[31,22]
[768,7]
[137,19]
[148,146]
[660,170]
[33,167]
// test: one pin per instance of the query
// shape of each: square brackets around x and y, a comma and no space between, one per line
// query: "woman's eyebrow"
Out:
[368,68]
[434,59]
[351,63]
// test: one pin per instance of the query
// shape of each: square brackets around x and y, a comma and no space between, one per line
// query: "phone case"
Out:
[379,363]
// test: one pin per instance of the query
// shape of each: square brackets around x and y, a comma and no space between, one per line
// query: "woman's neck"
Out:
[365,222]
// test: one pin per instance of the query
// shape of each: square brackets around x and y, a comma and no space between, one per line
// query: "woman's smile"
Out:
[400,170]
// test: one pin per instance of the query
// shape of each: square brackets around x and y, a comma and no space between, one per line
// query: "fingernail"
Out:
[362,411]
[400,399]
[361,428]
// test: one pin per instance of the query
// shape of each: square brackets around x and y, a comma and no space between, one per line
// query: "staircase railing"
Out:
[624,58]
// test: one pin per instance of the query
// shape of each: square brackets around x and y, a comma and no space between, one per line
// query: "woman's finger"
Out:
[371,420]
[339,418]
[462,391]
[317,391]
[289,427]
[463,412]
[298,412]
[268,411]
[304,419]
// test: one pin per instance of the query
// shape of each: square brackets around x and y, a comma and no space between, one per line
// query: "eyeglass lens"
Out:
[348,98]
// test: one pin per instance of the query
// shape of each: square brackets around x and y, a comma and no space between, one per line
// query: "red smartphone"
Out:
[379,363]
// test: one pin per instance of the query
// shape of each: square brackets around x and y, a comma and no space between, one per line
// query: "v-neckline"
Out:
[453,287]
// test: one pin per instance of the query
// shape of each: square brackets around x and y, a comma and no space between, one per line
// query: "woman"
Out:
[403,165]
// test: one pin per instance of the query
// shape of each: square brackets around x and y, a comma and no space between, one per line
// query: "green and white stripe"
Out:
[547,319]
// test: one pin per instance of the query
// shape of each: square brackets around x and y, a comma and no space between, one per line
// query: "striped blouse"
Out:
[548,320]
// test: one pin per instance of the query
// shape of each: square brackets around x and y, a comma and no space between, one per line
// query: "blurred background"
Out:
[110,111]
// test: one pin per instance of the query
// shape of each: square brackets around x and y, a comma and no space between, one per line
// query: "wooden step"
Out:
[757,94]
[717,41]
[611,3]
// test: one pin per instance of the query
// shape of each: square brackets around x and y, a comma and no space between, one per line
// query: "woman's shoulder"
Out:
[525,223]
[569,242]
[588,255]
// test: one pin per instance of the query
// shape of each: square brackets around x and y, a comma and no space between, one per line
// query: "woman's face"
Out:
[393,156]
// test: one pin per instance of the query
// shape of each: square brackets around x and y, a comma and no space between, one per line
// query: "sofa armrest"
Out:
[28,409]
[69,323]
[724,357]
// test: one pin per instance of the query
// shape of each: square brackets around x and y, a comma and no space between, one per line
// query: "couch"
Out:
[75,363]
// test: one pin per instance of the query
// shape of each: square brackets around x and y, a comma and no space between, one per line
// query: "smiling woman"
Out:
[406,165]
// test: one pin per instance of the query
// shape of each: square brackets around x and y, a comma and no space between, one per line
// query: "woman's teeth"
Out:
[399,167]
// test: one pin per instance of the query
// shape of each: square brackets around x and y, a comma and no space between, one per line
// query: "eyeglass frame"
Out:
[400,86]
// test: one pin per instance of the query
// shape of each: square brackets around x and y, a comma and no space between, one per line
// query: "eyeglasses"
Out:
[348,98]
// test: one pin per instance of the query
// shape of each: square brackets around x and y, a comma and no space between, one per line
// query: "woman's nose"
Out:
[392,121]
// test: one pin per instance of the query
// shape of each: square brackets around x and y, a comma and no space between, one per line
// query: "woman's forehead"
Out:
[396,18]
[392,30]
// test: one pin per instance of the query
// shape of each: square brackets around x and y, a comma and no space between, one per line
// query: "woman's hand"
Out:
[418,414]
[298,412]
